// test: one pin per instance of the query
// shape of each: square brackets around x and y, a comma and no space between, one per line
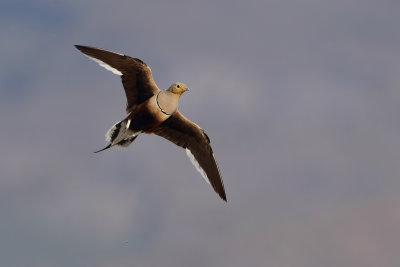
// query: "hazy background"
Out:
[299,97]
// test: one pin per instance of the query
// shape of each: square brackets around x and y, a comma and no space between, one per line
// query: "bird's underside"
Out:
[154,111]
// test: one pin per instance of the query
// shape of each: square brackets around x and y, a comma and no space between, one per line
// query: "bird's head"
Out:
[178,88]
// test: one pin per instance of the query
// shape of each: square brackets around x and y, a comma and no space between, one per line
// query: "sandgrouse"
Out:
[154,111]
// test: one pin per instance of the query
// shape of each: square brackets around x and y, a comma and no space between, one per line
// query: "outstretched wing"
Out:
[136,76]
[190,136]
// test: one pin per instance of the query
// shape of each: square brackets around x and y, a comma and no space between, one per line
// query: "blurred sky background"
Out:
[301,101]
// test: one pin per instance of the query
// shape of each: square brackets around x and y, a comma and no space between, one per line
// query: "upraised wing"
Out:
[136,76]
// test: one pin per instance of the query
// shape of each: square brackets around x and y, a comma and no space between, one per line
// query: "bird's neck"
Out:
[167,102]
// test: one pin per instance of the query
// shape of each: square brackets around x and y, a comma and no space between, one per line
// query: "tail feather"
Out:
[119,134]
[107,147]
[114,131]
[127,141]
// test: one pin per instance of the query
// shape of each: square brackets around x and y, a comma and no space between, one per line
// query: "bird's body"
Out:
[154,111]
[147,116]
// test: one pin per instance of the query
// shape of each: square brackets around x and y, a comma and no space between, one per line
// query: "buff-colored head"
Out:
[178,88]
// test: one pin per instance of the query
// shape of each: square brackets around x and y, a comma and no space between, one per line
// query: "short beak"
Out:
[187,89]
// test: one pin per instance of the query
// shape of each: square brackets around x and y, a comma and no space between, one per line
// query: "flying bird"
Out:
[154,111]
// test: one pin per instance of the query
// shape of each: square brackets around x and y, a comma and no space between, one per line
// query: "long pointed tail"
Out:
[107,147]
[119,134]
[127,141]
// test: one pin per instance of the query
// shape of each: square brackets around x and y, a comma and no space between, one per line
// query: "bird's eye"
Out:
[177,86]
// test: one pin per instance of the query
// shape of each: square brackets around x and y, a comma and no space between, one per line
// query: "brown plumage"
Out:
[155,111]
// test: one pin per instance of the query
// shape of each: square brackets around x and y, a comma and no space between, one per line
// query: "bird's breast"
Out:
[147,116]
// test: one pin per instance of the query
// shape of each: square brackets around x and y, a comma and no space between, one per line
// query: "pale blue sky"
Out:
[301,102]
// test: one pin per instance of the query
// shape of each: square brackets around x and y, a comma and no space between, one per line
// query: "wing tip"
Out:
[221,192]
[83,48]
[79,47]
[223,196]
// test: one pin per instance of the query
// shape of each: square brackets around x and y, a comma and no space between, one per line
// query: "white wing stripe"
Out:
[106,66]
[197,165]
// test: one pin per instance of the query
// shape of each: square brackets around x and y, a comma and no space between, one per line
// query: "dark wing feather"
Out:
[190,136]
[136,76]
